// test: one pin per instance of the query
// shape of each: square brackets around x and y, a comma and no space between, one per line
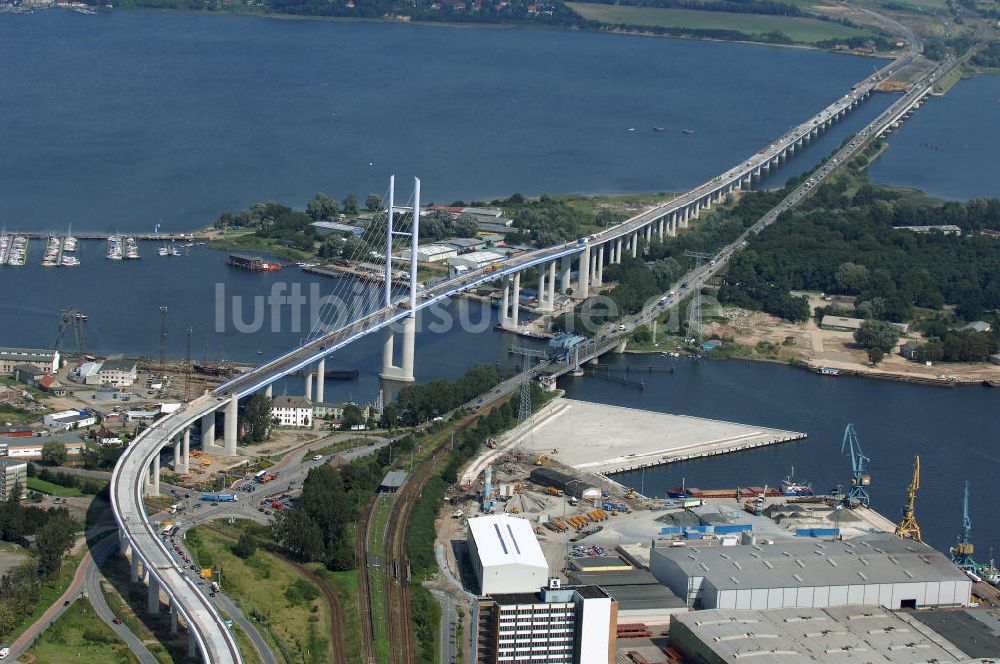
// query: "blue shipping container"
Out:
[734,528]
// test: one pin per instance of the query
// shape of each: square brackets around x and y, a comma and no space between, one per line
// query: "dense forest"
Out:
[21,588]
[988,57]
[845,243]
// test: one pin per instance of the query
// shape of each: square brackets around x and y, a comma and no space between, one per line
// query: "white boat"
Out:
[114,252]
[70,261]
[131,248]
[163,251]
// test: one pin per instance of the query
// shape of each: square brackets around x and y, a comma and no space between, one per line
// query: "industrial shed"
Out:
[571,486]
[879,570]
[842,635]
[505,555]
[641,598]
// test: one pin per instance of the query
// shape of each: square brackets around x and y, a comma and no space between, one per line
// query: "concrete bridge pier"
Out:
[552,285]
[153,486]
[152,594]
[192,645]
[634,242]
[173,619]
[185,461]
[177,455]
[566,267]
[546,287]
[134,574]
[309,386]
[583,275]
[208,431]
[404,371]
[600,266]
[231,432]
[660,227]
[320,379]
[269,391]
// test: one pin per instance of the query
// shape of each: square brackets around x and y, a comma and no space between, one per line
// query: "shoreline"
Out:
[803,364]
[601,28]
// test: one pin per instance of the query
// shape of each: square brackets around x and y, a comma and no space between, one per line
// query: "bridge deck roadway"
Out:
[213,637]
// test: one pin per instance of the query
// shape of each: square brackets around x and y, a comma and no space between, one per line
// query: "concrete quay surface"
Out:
[604,439]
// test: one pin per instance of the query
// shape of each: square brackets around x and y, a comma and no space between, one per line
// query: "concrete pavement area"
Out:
[606,439]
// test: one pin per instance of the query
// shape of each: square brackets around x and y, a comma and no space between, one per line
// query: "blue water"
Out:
[123,119]
[953,430]
[949,147]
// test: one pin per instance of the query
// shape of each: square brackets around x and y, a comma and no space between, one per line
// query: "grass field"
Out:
[79,636]
[797,28]
[345,585]
[42,486]
[263,587]
[121,609]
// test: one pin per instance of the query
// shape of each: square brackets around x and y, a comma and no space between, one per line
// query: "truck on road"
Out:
[219,497]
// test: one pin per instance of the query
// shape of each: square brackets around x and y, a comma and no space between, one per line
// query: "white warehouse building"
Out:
[505,555]
[876,570]
[476,260]
[431,253]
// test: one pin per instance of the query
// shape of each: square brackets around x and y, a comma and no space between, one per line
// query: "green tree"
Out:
[257,419]
[373,202]
[322,206]
[52,541]
[351,203]
[54,453]
[877,335]
[352,416]
[851,277]
[246,545]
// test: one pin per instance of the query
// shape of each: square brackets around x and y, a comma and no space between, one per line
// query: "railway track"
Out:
[338,653]
[402,641]
[364,585]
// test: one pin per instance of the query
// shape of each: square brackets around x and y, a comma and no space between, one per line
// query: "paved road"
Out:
[53,613]
[92,585]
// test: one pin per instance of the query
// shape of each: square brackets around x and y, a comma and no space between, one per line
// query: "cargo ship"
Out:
[252,263]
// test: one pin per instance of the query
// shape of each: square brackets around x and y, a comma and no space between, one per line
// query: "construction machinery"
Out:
[540,459]
[859,465]
[961,553]
[908,526]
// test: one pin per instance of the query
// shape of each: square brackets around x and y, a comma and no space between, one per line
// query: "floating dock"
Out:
[604,439]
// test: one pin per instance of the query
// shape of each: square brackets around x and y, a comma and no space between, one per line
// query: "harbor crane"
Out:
[908,526]
[961,553]
[859,465]
[75,319]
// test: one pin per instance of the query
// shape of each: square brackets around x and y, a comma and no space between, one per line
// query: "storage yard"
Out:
[602,445]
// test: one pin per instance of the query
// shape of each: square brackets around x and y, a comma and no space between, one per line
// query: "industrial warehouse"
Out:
[505,555]
[880,569]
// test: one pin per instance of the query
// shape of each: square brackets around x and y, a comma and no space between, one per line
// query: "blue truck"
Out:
[219,497]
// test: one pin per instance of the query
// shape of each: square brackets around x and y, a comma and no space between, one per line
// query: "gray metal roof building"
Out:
[841,635]
[393,480]
[878,569]
[640,597]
